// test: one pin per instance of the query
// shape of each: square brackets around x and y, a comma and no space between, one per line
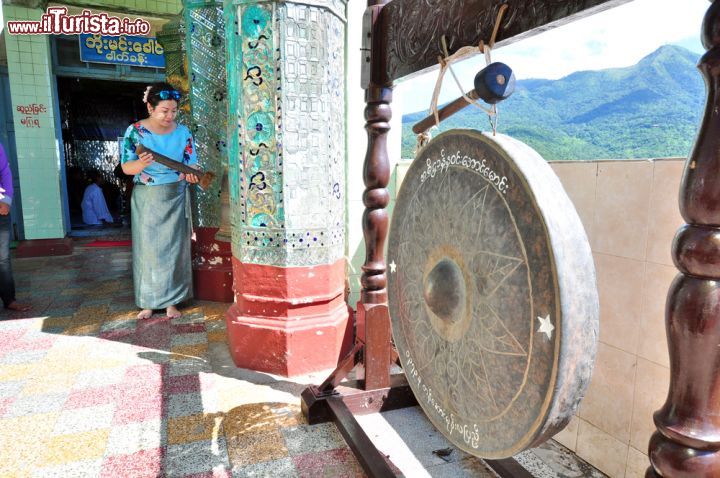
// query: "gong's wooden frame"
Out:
[402,38]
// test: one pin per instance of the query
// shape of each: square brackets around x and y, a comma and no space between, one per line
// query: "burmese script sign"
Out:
[122,50]
[31,114]
[491,292]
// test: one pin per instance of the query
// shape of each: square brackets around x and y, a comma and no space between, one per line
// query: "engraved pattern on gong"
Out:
[479,367]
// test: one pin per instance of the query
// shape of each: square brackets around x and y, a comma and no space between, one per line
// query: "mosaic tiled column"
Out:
[172,38]
[287,184]
[205,42]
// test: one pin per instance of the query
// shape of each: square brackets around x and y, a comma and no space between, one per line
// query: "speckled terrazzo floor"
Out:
[88,390]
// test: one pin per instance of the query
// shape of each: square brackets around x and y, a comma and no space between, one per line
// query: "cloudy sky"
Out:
[615,38]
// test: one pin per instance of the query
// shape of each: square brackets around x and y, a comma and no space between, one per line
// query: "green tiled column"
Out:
[205,47]
[286,77]
[286,84]
[172,38]
[30,74]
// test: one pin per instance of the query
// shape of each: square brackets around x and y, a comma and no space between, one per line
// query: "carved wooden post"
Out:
[376,175]
[373,317]
[373,309]
[687,440]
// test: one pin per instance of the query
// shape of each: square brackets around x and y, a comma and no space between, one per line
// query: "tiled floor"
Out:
[88,390]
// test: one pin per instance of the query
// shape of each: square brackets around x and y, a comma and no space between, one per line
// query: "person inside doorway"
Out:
[7,282]
[160,204]
[94,208]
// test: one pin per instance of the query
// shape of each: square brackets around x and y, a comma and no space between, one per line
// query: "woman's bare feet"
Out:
[172,312]
[14,305]
[144,314]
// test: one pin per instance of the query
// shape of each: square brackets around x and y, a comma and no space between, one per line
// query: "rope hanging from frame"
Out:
[446,64]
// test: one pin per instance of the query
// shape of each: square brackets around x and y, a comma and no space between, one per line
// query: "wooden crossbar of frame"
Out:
[407,33]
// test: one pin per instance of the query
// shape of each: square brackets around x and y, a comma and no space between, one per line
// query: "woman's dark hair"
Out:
[162,91]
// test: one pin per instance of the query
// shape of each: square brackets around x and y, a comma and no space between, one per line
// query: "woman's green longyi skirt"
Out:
[161,229]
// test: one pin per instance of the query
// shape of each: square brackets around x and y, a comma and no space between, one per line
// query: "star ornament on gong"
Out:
[546,327]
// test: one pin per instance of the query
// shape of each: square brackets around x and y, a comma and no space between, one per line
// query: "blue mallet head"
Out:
[495,82]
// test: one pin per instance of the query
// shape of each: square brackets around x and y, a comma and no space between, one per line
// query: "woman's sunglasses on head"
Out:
[169,94]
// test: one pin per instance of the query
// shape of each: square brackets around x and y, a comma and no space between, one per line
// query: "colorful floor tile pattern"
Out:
[88,390]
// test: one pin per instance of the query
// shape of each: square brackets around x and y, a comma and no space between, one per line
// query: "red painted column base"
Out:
[212,266]
[44,247]
[288,320]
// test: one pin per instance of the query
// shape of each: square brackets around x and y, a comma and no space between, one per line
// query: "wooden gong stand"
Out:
[389,25]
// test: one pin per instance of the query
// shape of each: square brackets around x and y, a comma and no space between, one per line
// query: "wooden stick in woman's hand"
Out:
[205,178]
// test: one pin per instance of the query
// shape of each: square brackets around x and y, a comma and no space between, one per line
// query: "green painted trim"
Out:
[119,6]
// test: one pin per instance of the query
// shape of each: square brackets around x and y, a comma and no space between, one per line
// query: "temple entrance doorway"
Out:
[94,115]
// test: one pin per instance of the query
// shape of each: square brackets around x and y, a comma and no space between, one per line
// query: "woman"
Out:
[160,205]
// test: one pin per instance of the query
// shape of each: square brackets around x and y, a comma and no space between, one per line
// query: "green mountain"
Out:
[648,110]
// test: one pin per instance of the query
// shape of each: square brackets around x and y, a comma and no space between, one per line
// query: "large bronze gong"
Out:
[492,293]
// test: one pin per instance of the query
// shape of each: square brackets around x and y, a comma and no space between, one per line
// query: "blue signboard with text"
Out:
[122,50]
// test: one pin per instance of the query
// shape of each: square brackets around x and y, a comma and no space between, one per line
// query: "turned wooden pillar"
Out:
[376,175]
[687,440]
[373,319]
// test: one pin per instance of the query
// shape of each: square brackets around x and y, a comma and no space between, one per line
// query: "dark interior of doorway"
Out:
[94,114]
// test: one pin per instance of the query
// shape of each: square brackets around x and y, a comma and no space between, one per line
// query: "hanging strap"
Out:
[463,52]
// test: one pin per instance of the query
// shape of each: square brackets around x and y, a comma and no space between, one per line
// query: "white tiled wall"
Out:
[630,212]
